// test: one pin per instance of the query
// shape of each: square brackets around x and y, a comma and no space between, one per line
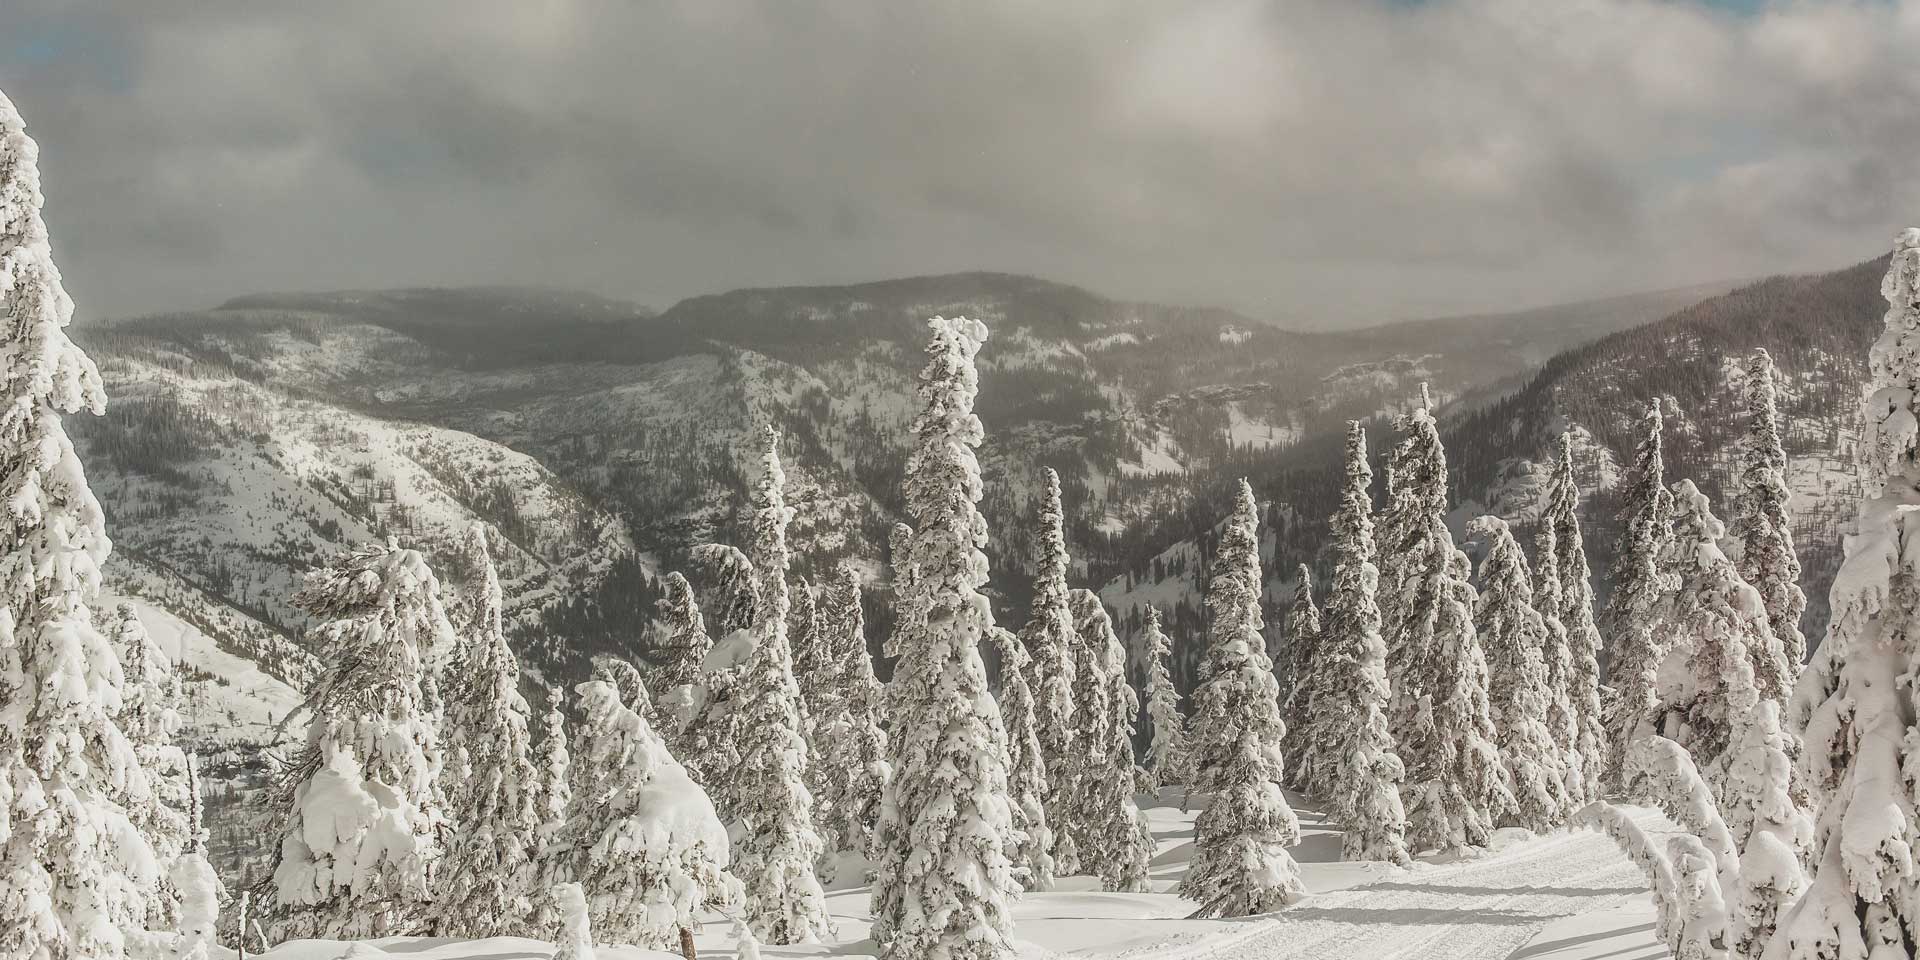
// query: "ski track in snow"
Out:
[1483,909]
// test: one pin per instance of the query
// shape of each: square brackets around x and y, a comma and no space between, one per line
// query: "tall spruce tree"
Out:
[1862,741]
[553,770]
[364,816]
[1050,642]
[1116,844]
[779,846]
[1348,744]
[1167,750]
[945,883]
[68,776]
[1569,569]
[488,878]
[1761,524]
[1640,587]
[150,697]
[851,745]
[685,645]
[1297,681]
[1562,717]
[1240,864]
[1715,617]
[1514,636]
[1026,771]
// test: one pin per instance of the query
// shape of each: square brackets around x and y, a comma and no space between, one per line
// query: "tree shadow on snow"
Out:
[1502,891]
[1550,946]
[1412,916]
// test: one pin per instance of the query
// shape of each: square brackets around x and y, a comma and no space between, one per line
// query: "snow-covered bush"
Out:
[364,810]
[645,842]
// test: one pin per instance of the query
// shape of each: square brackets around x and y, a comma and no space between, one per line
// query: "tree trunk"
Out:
[686,944]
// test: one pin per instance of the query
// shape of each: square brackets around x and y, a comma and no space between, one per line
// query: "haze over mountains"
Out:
[245,441]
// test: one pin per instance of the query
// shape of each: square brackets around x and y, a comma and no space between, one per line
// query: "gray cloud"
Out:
[1326,162]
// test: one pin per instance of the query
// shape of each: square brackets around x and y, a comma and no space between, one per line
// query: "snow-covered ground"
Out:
[1565,896]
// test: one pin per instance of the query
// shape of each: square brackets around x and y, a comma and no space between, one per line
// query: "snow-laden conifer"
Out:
[1414,550]
[646,844]
[1240,864]
[812,658]
[785,903]
[149,717]
[1562,717]
[1456,788]
[488,877]
[728,587]
[73,869]
[1717,623]
[1861,739]
[1761,525]
[1514,635]
[1026,771]
[1167,751]
[1297,679]
[945,883]
[1348,744]
[1568,567]
[364,816]
[553,791]
[684,645]
[1117,843]
[1050,642]
[850,744]
[1640,587]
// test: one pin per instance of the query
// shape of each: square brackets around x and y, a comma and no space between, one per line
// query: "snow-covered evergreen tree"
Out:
[1240,864]
[780,845]
[677,683]
[1297,680]
[1861,739]
[1562,717]
[1717,622]
[1761,525]
[364,815]
[1050,642]
[812,658]
[728,587]
[1640,587]
[850,745]
[945,882]
[488,877]
[1514,636]
[1167,750]
[1568,567]
[1118,843]
[73,869]
[1456,787]
[149,716]
[646,843]
[553,770]
[1414,549]
[1348,744]
[1026,771]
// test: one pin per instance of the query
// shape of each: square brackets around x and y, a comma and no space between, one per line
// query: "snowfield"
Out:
[1569,895]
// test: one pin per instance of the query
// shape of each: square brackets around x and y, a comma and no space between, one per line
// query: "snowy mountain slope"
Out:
[231,488]
[1818,329]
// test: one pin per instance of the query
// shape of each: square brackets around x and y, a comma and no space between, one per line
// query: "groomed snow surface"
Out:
[1569,895]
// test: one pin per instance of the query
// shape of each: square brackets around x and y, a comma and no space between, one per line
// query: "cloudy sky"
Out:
[1316,163]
